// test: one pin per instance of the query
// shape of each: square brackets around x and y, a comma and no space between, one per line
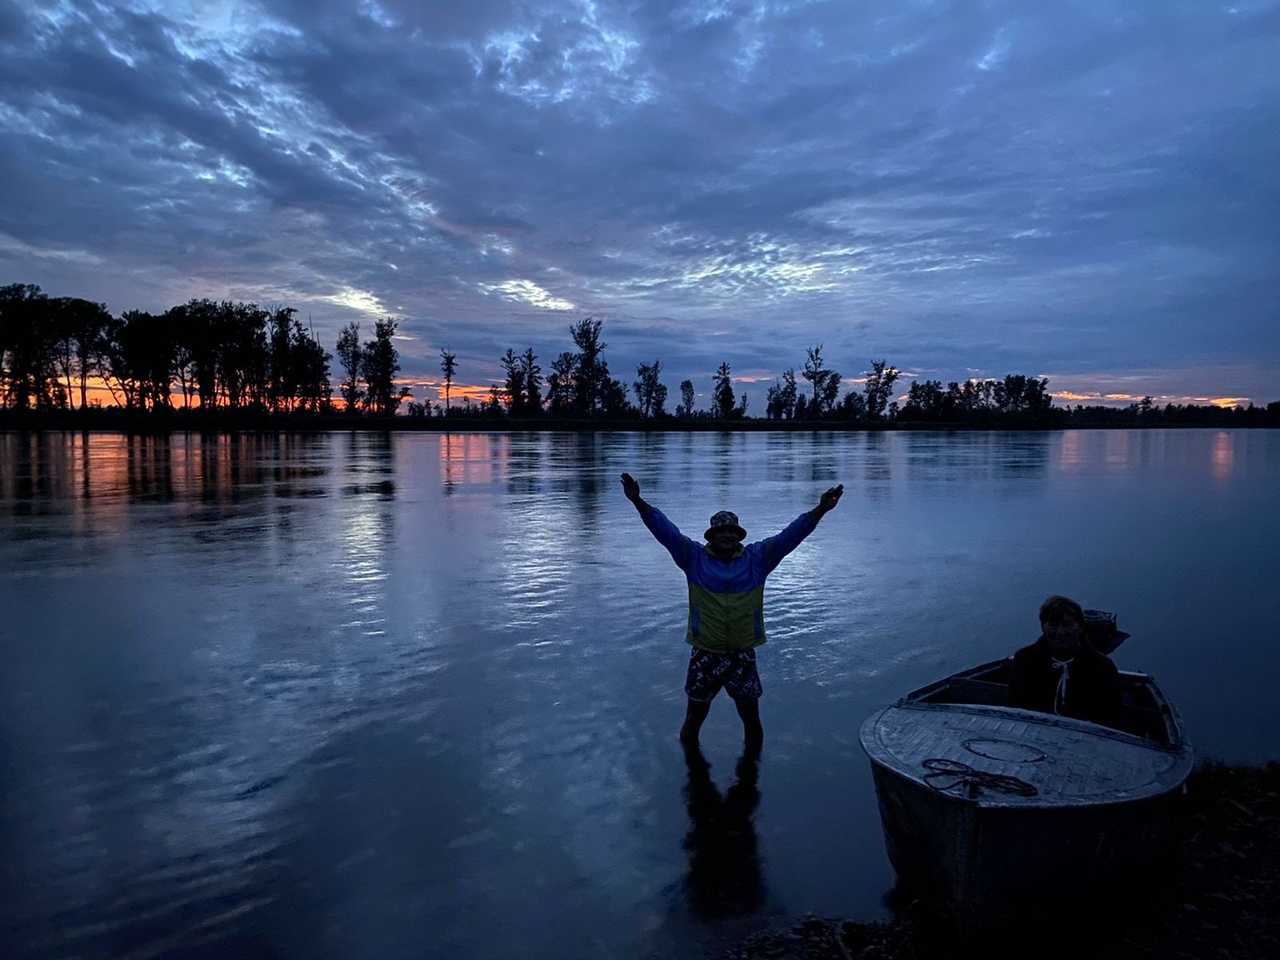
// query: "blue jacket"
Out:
[726,597]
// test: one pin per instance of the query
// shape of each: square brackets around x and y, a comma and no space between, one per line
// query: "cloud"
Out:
[17,249]
[1013,187]
[360,300]
[526,291]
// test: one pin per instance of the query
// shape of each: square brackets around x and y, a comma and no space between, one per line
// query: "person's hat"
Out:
[725,518]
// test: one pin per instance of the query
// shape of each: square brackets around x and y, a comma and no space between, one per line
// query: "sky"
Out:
[1084,191]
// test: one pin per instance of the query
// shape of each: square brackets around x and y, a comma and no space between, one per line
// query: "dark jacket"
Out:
[1092,691]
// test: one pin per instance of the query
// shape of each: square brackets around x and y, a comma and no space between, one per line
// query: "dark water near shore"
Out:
[385,696]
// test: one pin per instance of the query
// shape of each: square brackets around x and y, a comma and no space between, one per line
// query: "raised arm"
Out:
[664,531]
[827,503]
[778,546]
[631,488]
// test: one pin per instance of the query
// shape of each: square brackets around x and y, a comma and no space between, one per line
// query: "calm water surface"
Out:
[348,695]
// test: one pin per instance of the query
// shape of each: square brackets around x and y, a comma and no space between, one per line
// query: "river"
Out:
[409,695]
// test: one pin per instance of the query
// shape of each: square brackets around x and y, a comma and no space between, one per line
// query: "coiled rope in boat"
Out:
[954,777]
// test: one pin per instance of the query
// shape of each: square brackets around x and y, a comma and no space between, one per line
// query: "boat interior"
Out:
[1145,712]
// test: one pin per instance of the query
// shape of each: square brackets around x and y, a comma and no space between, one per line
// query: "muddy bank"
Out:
[1221,899]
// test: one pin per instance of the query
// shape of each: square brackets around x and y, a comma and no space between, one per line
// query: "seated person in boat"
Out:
[1062,673]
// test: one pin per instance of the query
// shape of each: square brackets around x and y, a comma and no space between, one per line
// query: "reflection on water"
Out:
[877,469]
[416,695]
[470,459]
[949,458]
[1126,452]
[1117,449]
[1223,456]
[1072,451]
[725,878]
[574,460]
[368,528]
[62,468]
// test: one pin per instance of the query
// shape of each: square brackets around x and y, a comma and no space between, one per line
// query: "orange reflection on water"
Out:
[1222,457]
[1071,455]
[1118,449]
[470,458]
[74,466]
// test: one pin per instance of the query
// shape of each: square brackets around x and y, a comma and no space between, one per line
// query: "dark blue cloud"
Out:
[1068,190]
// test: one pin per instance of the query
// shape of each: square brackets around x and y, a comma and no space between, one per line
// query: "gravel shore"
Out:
[1222,898]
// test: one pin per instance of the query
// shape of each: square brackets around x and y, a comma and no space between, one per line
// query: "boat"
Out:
[994,816]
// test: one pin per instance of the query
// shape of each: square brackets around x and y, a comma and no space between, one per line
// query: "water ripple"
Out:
[417,695]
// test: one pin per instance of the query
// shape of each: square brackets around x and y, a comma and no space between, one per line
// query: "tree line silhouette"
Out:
[217,356]
[239,358]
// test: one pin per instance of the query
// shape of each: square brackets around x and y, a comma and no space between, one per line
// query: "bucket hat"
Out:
[725,518]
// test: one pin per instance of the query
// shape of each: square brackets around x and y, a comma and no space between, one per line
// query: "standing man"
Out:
[726,605]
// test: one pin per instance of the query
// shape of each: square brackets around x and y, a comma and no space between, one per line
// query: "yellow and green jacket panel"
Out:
[726,597]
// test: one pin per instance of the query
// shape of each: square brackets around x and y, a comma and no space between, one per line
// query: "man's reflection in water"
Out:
[724,879]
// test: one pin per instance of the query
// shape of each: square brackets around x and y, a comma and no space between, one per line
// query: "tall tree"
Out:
[514,388]
[310,365]
[280,369]
[531,373]
[685,408]
[926,400]
[879,388]
[853,406]
[241,354]
[562,384]
[139,350]
[63,348]
[651,395]
[723,392]
[773,402]
[202,322]
[448,366]
[89,321]
[826,383]
[591,373]
[780,399]
[81,325]
[613,399]
[351,356]
[27,347]
[829,393]
[1019,394]
[180,322]
[379,364]
[298,365]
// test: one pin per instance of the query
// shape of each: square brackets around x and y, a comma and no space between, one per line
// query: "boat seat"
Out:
[1143,722]
[965,690]
[1138,720]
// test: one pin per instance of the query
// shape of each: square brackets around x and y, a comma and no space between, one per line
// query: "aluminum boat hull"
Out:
[995,815]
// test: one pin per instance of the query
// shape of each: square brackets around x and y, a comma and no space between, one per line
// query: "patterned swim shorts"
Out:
[735,672]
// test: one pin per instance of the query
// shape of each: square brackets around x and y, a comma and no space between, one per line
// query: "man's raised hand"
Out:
[630,487]
[831,498]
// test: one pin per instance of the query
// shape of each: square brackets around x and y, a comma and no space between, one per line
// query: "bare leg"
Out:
[752,730]
[694,715]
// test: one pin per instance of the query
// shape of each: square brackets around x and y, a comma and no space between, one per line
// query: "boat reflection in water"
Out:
[995,815]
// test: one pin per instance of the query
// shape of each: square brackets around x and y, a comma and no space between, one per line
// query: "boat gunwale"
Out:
[1177,737]
[1178,748]
[1172,781]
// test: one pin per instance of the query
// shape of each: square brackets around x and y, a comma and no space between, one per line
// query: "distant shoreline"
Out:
[180,421]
